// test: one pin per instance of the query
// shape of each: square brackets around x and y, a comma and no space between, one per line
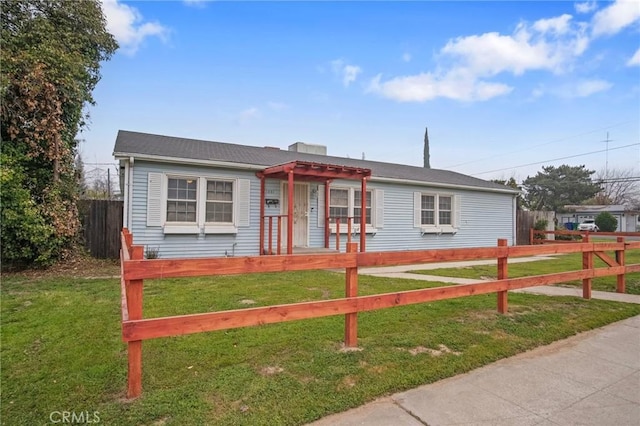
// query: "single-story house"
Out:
[626,216]
[195,198]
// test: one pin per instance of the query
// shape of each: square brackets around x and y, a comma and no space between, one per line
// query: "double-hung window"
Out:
[197,204]
[435,213]
[346,203]
[182,200]
[357,207]
[219,207]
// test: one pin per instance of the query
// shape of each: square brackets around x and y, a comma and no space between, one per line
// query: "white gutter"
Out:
[129,201]
[258,167]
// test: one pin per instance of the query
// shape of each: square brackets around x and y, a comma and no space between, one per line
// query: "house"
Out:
[194,198]
[628,218]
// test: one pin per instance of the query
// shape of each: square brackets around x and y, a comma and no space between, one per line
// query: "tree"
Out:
[619,186]
[606,222]
[555,187]
[51,53]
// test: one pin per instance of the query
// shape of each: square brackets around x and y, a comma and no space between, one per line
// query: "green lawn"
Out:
[562,263]
[62,351]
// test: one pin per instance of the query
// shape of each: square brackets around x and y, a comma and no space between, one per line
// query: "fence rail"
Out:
[135,270]
[540,236]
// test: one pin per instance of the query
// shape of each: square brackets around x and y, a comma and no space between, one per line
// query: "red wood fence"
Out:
[135,269]
[540,236]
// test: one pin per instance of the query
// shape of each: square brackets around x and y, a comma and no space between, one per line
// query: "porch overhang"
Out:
[306,171]
[317,172]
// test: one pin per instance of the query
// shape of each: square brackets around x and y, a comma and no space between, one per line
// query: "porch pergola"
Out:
[305,171]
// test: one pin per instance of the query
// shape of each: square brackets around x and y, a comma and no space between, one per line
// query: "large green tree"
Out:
[51,52]
[555,187]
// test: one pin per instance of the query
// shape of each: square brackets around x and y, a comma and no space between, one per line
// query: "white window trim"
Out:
[200,226]
[355,228]
[436,228]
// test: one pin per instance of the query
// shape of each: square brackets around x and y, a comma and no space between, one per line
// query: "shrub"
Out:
[564,237]
[606,222]
[540,225]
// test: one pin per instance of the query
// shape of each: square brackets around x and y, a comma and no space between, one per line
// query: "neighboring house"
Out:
[193,198]
[627,218]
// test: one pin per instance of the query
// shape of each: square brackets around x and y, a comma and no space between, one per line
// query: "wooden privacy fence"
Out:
[135,269]
[101,226]
[540,236]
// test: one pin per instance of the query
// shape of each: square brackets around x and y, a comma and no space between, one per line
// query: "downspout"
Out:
[514,215]
[129,202]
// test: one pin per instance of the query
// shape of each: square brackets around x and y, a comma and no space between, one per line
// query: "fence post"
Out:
[134,348]
[587,263]
[503,273]
[530,236]
[620,279]
[351,290]
[338,234]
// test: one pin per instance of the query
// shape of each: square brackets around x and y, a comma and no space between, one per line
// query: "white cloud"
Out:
[559,25]
[128,27]
[456,85]
[616,17]
[406,57]
[348,73]
[467,63]
[635,59]
[549,44]
[195,3]
[277,106]
[249,114]
[586,7]
[589,87]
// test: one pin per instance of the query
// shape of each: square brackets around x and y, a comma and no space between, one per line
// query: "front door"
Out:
[300,214]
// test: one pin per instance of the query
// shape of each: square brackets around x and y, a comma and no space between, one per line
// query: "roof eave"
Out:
[259,167]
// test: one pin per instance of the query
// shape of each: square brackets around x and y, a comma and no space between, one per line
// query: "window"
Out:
[428,212]
[357,207]
[219,201]
[444,210]
[197,204]
[182,200]
[435,213]
[347,202]
[338,205]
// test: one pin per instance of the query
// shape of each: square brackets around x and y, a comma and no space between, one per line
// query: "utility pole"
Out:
[606,168]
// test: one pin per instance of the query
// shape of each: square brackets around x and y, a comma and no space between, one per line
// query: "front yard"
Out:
[62,350]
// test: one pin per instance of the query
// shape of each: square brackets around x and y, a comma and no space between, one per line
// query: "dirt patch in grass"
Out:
[76,264]
[442,350]
[271,370]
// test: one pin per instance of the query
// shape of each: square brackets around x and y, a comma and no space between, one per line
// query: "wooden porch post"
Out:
[351,290]
[363,214]
[262,202]
[327,193]
[503,273]
[290,214]
[134,348]
[620,280]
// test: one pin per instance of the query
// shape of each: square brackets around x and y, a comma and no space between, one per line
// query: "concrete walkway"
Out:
[589,379]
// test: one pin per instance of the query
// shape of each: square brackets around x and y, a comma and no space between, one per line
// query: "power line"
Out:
[556,159]
[543,144]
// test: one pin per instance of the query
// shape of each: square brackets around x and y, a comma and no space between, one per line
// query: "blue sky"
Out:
[504,87]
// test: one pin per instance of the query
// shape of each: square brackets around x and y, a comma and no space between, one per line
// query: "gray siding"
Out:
[483,218]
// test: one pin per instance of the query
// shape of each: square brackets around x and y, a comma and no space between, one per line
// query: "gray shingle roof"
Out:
[147,145]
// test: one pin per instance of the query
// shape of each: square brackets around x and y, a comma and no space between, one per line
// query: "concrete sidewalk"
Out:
[589,379]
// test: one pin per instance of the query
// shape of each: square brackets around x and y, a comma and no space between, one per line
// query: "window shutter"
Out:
[379,212]
[456,211]
[243,200]
[154,199]
[417,209]
[320,204]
